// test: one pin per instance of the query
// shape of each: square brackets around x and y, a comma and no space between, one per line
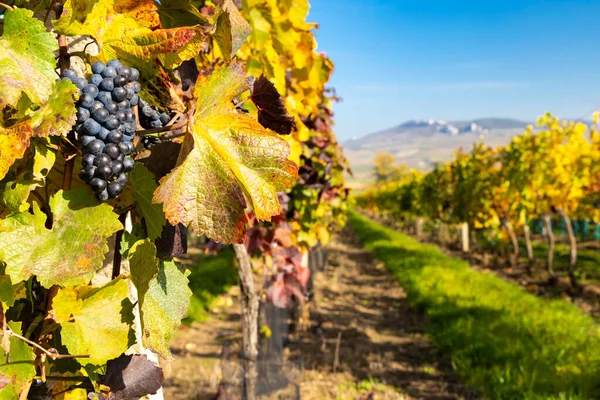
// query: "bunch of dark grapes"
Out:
[151,118]
[106,125]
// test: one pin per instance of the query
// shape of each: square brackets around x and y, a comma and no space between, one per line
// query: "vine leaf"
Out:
[94,321]
[143,184]
[26,58]
[56,117]
[165,304]
[272,113]
[143,265]
[232,30]
[175,13]
[70,252]
[128,30]
[225,156]
[20,366]
[131,377]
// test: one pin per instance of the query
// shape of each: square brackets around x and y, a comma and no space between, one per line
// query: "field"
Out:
[409,322]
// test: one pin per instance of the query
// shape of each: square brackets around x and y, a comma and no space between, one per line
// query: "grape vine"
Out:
[150,104]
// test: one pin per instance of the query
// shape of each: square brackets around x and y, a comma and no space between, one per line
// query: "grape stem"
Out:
[7,6]
[153,131]
[53,355]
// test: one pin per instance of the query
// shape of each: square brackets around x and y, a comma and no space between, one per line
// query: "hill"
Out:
[421,143]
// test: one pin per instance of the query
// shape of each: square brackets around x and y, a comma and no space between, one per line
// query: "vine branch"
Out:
[52,354]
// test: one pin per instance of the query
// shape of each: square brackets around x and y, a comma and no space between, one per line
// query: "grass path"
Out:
[384,353]
[507,343]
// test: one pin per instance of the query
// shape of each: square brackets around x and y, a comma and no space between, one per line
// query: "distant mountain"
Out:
[418,129]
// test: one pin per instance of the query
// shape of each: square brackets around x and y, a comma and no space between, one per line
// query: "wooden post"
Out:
[464,237]
[249,302]
[572,248]
[419,228]
[550,235]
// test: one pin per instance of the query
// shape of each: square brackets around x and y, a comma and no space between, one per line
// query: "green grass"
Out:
[503,341]
[209,278]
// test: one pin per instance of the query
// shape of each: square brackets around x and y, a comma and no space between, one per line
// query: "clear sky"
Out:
[398,60]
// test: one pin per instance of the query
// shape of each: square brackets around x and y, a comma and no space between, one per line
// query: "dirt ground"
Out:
[358,307]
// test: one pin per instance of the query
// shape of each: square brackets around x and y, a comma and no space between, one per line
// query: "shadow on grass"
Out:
[210,277]
[503,341]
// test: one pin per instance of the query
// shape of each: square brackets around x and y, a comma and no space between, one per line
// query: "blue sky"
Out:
[398,60]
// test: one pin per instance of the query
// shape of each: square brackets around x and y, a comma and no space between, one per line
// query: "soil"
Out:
[357,307]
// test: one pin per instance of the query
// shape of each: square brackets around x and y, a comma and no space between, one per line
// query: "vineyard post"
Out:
[528,245]
[419,228]
[572,248]
[550,235]
[464,237]
[249,303]
[514,257]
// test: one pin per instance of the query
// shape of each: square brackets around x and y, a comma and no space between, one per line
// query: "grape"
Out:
[135,75]
[119,94]
[97,67]
[103,134]
[155,123]
[96,79]
[114,189]
[85,140]
[91,126]
[121,115]
[102,196]
[111,106]
[125,71]
[90,89]
[129,93]
[98,185]
[95,147]
[102,160]
[104,97]
[109,72]
[123,179]
[119,81]
[106,125]
[101,115]
[86,100]
[107,85]
[82,114]
[112,122]
[115,137]
[87,173]
[103,172]
[80,83]
[135,86]
[128,164]
[88,160]
[70,74]
[112,150]
[114,63]
[164,118]
[117,167]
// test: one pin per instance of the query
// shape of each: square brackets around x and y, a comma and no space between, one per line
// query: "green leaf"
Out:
[15,193]
[19,368]
[27,61]
[9,292]
[143,265]
[238,26]
[226,156]
[94,321]
[70,252]
[165,304]
[176,13]
[144,185]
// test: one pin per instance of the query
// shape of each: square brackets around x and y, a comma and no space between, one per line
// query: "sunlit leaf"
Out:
[143,184]
[94,321]
[226,156]
[70,252]
[26,59]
